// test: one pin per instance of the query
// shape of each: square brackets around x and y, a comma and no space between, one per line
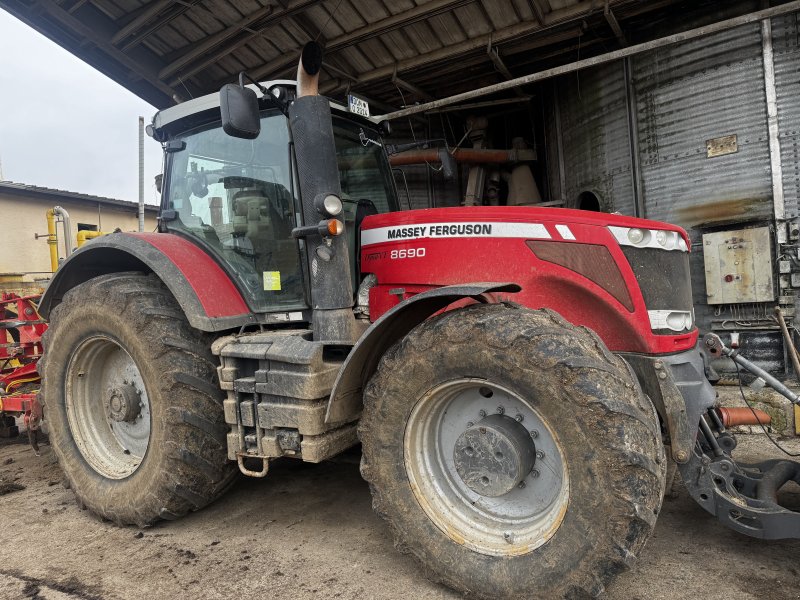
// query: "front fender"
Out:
[344,404]
[205,293]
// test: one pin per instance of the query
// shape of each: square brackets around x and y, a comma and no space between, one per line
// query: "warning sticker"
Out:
[272,281]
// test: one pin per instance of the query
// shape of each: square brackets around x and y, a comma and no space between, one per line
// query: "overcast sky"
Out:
[65,125]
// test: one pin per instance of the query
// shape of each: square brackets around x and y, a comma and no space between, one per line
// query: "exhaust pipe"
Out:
[318,174]
[308,70]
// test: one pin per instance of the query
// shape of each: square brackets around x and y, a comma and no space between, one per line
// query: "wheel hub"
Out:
[494,456]
[123,403]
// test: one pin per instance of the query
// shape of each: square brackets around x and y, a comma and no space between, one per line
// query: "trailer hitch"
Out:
[742,496]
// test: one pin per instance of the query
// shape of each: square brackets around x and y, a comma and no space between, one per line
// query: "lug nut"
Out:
[539,454]
[500,410]
[470,423]
[482,413]
[534,434]
[519,418]
[521,484]
[534,473]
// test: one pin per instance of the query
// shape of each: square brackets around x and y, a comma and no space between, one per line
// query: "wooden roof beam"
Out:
[293,8]
[90,33]
[150,11]
[614,24]
[213,41]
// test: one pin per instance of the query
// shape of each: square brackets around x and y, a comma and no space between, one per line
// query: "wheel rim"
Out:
[520,506]
[108,409]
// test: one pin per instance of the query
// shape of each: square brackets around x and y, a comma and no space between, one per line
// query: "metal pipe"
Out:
[776,167]
[67,226]
[709,435]
[599,60]
[84,236]
[789,343]
[308,70]
[742,416]
[141,174]
[52,240]
[463,155]
[714,345]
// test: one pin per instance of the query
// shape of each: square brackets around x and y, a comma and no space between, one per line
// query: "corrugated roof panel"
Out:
[421,38]
[786,49]
[353,56]
[211,22]
[398,44]
[446,29]
[524,10]
[349,16]
[501,13]
[289,35]
[118,10]
[694,92]
[369,10]
[471,18]
[245,7]
[559,4]
[263,46]
[377,52]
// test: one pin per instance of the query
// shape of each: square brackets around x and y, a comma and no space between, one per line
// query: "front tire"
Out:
[512,454]
[130,394]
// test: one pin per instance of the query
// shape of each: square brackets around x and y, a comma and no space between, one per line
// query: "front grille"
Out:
[663,277]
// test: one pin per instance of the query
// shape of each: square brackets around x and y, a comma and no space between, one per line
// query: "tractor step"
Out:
[277,386]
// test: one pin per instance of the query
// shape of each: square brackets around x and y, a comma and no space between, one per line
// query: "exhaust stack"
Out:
[318,174]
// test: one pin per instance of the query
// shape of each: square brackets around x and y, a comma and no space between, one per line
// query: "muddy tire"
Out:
[131,397]
[446,451]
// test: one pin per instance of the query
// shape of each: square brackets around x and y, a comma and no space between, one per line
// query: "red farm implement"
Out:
[21,329]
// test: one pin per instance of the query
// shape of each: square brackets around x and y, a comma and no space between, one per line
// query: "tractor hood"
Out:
[625,278]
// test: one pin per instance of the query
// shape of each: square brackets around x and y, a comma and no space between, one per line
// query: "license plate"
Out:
[358,106]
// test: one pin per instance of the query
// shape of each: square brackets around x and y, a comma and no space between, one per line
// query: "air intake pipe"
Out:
[318,174]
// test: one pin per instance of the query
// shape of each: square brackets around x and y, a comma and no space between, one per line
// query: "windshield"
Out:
[239,199]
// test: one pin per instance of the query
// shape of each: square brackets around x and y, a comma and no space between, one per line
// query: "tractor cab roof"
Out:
[205,109]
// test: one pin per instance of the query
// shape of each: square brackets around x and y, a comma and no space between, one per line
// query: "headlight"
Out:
[636,236]
[328,205]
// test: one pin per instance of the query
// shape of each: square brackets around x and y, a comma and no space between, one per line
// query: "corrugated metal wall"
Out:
[693,92]
[786,50]
[595,137]
[684,95]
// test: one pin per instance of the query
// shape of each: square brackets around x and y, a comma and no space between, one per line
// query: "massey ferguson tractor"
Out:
[519,378]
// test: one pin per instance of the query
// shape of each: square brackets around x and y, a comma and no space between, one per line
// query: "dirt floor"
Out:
[308,531]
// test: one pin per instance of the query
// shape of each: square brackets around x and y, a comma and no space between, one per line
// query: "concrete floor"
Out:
[308,532]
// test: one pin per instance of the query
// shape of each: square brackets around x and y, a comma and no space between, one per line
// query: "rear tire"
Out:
[131,396]
[599,467]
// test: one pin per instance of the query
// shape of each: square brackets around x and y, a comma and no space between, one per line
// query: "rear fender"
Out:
[205,293]
[345,401]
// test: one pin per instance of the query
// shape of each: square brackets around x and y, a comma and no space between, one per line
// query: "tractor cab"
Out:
[239,199]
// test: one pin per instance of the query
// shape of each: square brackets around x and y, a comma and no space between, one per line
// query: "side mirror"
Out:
[238,106]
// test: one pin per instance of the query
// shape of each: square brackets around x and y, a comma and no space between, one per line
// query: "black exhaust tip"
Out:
[311,58]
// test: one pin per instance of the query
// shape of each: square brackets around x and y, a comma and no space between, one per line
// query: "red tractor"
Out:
[519,378]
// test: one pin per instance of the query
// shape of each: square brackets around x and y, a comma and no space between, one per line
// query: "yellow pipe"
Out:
[52,239]
[85,235]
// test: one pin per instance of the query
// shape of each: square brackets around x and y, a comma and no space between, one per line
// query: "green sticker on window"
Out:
[272,281]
